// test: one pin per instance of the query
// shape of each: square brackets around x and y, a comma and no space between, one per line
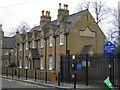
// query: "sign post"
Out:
[109,50]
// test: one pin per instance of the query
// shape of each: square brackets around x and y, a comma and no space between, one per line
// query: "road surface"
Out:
[8,83]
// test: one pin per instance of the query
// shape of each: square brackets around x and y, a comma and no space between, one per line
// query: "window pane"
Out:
[61,38]
[42,42]
[51,40]
[33,43]
[41,63]
[50,62]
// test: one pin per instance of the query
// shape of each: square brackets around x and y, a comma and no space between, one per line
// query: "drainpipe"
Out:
[45,53]
[23,56]
[55,52]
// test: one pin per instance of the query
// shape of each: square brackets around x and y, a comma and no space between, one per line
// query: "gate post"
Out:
[61,72]
[110,66]
[59,79]
[68,54]
[26,74]
[45,76]
[86,69]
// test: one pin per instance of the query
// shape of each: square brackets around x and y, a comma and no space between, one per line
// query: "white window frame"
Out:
[61,39]
[33,43]
[50,62]
[42,42]
[41,63]
[26,64]
[26,45]
[20,63]
[51,41]
[20,46]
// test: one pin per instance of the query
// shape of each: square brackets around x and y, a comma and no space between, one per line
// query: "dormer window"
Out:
[33,44]
[61,39]
[20,46]
[26,45]
[42,43]
[51,41]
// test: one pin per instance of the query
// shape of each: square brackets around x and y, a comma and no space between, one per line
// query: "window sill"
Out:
[42,47]
[61,44]
[26,48]
[50,69]
[20,67]
[50,45]
[41,68]
[33,47]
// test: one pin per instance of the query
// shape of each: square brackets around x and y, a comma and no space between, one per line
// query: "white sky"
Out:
[12,14]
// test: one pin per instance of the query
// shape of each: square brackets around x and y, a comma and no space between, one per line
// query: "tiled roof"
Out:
[68,22]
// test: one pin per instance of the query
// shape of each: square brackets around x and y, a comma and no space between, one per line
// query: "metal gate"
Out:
[94,69]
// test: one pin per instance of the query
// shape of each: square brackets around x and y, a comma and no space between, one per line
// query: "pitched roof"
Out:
[68,22]
[8,42]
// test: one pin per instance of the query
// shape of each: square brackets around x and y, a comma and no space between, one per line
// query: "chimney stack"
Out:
[44,19]
[62,12]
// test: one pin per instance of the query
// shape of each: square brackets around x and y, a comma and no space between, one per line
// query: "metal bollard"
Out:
[46,77]
[35,75]
[26,74]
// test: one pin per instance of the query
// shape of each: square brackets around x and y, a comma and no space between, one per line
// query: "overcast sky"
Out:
[13,12]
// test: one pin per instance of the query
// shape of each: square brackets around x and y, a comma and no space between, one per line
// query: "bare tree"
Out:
[82,6]
[98,8]
[114,34]
[22,28]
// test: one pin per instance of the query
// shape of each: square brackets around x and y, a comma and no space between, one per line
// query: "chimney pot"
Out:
[43,13]
[48,13]
[67,7]
[64,6]
[59,5]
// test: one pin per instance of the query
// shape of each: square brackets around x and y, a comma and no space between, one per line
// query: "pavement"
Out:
[54,84]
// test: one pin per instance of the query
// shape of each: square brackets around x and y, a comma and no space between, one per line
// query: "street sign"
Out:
[79,66]
[109,48]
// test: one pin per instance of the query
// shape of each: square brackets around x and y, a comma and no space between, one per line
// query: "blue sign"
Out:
[79,66]
[109,48]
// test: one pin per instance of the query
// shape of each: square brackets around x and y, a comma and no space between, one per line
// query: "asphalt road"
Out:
[8,83]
